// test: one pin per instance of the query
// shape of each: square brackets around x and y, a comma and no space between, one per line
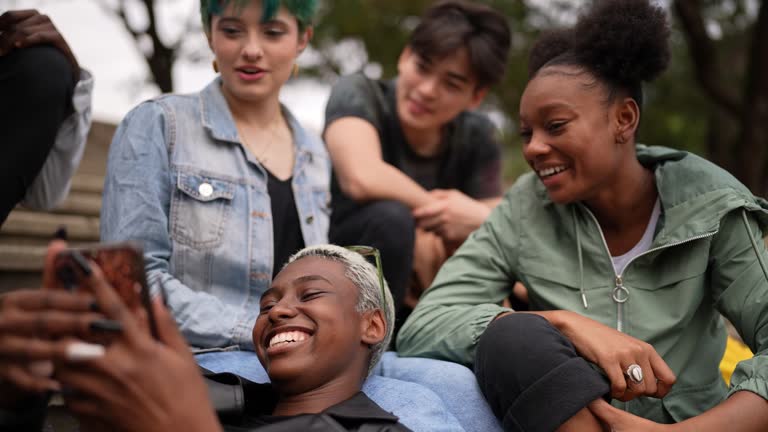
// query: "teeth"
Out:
[546,172]
[287,337]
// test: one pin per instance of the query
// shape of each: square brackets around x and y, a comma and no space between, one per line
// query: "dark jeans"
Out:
[389,227]
[532,376]
[36,86]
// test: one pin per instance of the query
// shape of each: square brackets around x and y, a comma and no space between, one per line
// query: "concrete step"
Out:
[27,254]
[23,223]
[87,183]
[21,258]
[81,204]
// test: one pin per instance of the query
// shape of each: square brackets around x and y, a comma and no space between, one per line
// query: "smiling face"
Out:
[431,93]
[308,322]
[255,59]
[570,132]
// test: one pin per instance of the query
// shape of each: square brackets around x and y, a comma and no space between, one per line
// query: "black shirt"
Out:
[243,405]
[286,227]
[470,159]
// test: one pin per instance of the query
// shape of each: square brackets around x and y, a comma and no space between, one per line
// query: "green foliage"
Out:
[676,113]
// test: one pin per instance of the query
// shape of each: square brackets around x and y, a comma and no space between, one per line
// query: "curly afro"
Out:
[621,42]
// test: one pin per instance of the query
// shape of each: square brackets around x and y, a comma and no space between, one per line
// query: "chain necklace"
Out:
[261,157]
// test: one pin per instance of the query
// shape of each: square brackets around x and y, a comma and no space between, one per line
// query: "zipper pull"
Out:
[620,294]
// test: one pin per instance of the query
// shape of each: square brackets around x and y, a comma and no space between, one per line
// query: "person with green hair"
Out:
[221,187]
[302,10]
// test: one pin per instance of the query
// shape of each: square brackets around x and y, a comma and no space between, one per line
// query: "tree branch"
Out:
[704,56]
[120,12]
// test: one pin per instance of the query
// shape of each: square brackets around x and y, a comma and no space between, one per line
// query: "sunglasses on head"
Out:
[367,251]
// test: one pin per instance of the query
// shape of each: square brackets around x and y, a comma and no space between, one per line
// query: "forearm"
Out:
[382,181]
[491,203]
[743,412]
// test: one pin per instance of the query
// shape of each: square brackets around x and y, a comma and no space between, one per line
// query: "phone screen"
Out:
[123,267]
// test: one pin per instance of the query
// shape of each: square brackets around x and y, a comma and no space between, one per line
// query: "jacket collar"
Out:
[217,118]
[358,408]
[695,194]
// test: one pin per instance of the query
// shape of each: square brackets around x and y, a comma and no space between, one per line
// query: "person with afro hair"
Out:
[629,254]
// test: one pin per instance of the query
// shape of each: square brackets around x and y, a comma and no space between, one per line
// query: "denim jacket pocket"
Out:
[200,208]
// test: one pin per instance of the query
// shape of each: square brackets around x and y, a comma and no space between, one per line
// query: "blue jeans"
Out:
[426,394]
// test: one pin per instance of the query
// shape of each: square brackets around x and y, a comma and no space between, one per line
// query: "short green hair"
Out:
[303,10]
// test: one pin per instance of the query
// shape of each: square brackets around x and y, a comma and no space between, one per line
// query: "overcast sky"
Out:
[102,46]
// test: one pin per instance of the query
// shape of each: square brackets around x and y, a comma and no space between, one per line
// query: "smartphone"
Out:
[123,267]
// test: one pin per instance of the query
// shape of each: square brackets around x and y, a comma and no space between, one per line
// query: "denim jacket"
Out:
[180,183]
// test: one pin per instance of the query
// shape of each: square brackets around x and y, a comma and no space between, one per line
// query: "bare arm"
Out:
[491,203]
[744,412]
[363,175]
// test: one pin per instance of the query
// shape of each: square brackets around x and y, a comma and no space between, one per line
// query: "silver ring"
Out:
[635,373]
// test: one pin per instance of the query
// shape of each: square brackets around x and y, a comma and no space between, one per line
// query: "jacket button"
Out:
[205,189]
[310,219]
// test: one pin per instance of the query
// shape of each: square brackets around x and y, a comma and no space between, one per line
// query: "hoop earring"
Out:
[295,70]
[215,66]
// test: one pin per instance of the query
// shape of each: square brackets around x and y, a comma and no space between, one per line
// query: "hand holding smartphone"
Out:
[123,268]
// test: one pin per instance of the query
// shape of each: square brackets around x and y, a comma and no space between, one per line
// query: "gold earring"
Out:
[295,70]
[215,66]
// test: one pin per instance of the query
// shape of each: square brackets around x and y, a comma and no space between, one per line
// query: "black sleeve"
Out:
[28,416]
[353,96]
[484,179]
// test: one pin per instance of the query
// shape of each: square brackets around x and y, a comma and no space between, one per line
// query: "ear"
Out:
[374,327]
[627,120]
[405,56]
[478,95]
[305,37]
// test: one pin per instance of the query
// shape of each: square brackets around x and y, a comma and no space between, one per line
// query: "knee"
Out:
[44,73]
[393,224]
[520,347]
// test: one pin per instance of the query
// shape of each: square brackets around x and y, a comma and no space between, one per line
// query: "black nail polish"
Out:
[67,277]
[106,326]
[68,392]
[94,307]
[81,262]
[61,233]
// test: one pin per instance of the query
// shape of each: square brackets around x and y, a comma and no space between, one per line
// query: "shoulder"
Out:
[478,131]
[683,177]
[355,84]
[358,95]
[525,206]
[527,188]
[162,106]
[475,122]
[696,193]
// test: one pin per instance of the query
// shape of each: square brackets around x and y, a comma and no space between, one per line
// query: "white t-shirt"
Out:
[621,261]
[52,184]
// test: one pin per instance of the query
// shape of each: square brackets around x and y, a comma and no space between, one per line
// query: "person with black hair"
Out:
[630,254]
[415,170]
